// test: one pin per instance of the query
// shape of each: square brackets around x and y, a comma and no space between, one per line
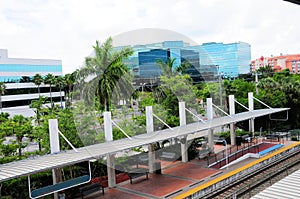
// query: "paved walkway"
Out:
[176,177]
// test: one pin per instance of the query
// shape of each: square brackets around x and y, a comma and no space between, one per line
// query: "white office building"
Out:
[16,73]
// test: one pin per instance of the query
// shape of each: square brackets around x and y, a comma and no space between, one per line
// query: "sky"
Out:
[67,29]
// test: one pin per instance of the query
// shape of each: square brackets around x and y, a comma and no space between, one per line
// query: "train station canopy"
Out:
[294,1]
[64,158]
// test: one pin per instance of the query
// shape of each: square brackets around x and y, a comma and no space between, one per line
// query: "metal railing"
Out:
[234,152]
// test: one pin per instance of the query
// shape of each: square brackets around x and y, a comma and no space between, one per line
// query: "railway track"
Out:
[259,180]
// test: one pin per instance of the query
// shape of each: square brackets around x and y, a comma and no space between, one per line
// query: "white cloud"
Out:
[67,29]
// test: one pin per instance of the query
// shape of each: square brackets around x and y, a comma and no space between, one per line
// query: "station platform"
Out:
[177,177]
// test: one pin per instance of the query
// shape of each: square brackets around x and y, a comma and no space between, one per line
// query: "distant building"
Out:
[232,58]
[278,63]
[206,62]
[16,74]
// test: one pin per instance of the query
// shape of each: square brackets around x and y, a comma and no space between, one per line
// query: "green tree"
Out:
[38,80]
[169,69]
[113,80]
[5,125]
[59,83]
[240,89]
[282,90]
[37,106]
[50,79]
[265,71]
[69,80]
[22,128]
[2,91]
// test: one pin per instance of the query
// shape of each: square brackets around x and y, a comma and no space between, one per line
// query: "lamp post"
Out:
[220,85]
[221,92]
[142,84]
[256,82]
[226,152]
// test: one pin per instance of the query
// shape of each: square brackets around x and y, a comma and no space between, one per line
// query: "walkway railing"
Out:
[234,152]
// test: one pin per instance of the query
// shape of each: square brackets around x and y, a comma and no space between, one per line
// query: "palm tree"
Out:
[38,80]
[168,68]
[69,80]
[112,79]
[2,91]
[265,71]
[80,76]
[60,82]
[22,127]
[50,79]
[37,106]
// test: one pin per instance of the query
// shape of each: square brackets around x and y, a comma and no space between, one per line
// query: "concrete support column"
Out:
[251,108]
[150,129]
[110,159]
[232,112]
[54,148]
[182,115]
[209,115]
[111,173]
[183,141]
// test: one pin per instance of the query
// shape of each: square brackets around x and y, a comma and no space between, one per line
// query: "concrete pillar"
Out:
[54,137]
[182,115]
[108,126]
[111,174]
[232,112]
[110,159]
[251,108]
[183,141]
[150,129]
[209,115]
[54,148]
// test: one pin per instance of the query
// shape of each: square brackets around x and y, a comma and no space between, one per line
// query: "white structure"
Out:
[12,70]
[286,188]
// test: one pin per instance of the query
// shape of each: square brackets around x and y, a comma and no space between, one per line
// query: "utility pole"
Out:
[256,82]
[220,84]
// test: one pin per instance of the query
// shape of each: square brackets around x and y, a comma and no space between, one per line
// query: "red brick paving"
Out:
[190,170]
[175,176]
[158,185]
[115,194]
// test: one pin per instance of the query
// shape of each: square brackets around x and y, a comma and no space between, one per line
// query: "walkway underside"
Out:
[47,162]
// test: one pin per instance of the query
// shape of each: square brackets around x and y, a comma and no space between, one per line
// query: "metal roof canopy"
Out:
[294,1]
[288,187]
[65,158]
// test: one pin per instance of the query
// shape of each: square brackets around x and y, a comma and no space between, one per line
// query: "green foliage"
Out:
[11,188]
[282,90]
[265,72]
[113,80]
[8,149]
[147,100]
[3,116]
[169,69]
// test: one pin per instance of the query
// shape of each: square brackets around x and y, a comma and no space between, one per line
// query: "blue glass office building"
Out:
[205,61]
[232,59]
[148,66]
